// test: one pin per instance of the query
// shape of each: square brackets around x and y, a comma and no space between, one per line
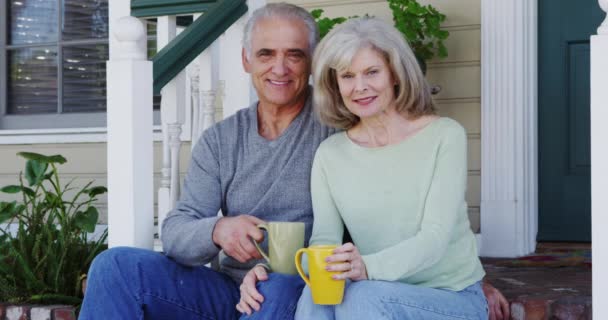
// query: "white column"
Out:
[509,209]
[599,166]
[130,172]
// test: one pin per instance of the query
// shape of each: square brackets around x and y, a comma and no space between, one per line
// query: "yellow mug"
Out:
[324,289]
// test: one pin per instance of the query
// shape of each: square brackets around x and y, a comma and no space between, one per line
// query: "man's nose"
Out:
[279,66]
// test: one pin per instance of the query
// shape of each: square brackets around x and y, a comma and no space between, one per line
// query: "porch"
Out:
[508,204]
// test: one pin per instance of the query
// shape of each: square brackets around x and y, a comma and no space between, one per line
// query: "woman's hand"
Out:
[347,259]
[250,297]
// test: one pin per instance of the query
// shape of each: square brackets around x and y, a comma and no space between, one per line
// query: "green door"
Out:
[563,112]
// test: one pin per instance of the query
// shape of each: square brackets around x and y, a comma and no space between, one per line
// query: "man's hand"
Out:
[250,297]
[233,235]
[498,306]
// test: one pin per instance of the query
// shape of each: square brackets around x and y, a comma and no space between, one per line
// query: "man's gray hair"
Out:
[281,10]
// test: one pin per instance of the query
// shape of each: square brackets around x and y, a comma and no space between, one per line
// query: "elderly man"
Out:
[254,166]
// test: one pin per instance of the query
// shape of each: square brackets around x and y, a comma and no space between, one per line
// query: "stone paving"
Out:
[539,293]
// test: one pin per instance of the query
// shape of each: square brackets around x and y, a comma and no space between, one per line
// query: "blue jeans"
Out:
[396,300]
[130,283]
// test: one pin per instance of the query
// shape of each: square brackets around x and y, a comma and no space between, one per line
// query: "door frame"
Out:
[509,126]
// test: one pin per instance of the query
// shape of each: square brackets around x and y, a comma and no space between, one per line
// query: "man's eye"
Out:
[296,56]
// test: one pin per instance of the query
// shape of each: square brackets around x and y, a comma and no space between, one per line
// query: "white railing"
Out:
[188,107]
[599,166]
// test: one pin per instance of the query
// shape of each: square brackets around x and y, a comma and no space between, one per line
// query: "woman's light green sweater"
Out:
[403,204]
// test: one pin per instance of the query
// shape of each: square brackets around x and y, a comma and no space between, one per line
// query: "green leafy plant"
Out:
[43,259]
[420,25]
[325,24]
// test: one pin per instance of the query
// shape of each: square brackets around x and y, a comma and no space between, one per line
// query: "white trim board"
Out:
[509,199]
[71,135]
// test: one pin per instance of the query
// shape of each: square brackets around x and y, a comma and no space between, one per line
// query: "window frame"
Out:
[57,120]
[90,126]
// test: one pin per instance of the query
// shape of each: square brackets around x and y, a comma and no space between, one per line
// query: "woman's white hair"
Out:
[281,10]
[335,53]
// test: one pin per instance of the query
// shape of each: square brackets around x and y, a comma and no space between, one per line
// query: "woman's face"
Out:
[367,86]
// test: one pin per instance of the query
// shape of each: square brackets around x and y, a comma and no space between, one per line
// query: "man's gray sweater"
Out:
[236,170]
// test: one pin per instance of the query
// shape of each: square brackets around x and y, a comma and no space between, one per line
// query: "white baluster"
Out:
[208,107]
[130,153]
[163,193]
[193,73]
[175,130]
[599,166]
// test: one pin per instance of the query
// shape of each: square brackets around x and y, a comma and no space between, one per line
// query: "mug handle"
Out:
[298,260]
[262,226]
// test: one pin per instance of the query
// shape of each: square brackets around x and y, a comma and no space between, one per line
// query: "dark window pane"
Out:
[32,21]
[151,35]
[32,81]
[84,78]
[85,19]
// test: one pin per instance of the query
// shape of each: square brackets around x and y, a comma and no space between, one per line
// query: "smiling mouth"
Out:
[278,83]
[365,101]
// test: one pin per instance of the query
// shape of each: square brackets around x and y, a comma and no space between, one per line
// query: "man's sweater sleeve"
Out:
[187,230]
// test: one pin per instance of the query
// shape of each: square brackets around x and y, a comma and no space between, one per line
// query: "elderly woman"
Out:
[396,178]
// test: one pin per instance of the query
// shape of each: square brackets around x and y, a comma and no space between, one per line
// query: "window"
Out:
[53,63]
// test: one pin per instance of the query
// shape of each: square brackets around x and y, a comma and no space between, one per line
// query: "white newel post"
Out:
[129,112]
[599,166]
[509,210]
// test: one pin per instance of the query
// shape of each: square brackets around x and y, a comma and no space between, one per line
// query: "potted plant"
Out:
[420,25]
[45,238]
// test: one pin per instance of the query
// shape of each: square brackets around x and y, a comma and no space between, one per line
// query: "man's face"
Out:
[279,61]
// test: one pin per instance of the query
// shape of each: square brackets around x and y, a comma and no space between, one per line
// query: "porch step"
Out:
[553,283]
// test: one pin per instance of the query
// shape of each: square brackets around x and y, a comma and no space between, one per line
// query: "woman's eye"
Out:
[346,76]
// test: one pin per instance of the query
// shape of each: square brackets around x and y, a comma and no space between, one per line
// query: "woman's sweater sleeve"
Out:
[444,199]
[328,227]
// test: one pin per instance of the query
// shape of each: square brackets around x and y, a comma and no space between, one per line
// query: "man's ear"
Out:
[246,64]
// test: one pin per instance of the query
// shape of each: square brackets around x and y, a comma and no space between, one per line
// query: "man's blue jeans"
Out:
[381,300]
[130,283]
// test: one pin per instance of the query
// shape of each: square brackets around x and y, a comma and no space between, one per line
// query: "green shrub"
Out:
[43,261]
[420,26]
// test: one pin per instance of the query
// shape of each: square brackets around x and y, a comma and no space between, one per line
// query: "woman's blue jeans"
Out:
[130,283]
[394,300]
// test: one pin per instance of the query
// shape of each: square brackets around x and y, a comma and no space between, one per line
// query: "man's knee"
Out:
[281,285]
[281,293]
[119,260]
